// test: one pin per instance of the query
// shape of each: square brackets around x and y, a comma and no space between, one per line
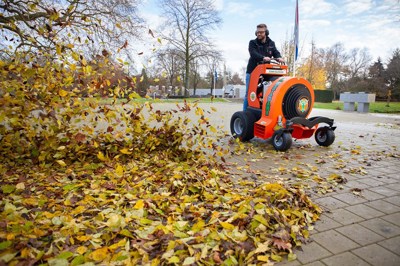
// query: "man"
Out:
[261,49]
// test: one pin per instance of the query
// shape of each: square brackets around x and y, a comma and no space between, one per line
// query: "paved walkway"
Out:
[361,220]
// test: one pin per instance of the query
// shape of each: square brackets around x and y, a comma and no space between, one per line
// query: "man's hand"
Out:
[266,59]
[280,60]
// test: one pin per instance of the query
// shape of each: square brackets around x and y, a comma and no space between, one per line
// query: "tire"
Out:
[324,136]
[242,125]
[281,141]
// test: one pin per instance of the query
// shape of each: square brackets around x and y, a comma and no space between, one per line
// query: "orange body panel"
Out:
[272,116]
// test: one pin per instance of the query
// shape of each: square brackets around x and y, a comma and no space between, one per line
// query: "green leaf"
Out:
[7,189]
[65,255]
[5,244]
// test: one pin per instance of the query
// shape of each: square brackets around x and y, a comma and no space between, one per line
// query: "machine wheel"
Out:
[242,125]
[281,141]
[324,136]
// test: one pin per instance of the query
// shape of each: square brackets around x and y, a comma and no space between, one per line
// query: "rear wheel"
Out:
[324,136]
[281,141]
[242,125]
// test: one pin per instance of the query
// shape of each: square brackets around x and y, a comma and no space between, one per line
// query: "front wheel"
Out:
[324,136]
[281,141]
[242,125]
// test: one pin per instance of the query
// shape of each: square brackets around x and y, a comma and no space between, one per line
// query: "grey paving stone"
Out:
[372,182]
[394,200]
[343,259]
[383,206]
[288,263]
[392,244]
[311,252]
[394,218]
[382,227]
[389,179]
[356,184]
[360,234]
[344,216]
[377,255]
[385,191]
[369,195]
[364,211]
[326,223]
[330,203]
[315,263]
[350,198]
[334,241]
[395,186]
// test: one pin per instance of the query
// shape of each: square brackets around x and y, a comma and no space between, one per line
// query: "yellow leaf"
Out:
[159,40]
[20,186]
[156,80]
[125,151]
[178,78]
[139,205]
[99,254]
[227,226]
[119,170]
[62,93]
[61,162]
[84,238]
[81,250]
[101,156]
[118,25]
[263,258]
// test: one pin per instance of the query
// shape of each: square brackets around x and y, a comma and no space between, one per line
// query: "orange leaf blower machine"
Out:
[279,106]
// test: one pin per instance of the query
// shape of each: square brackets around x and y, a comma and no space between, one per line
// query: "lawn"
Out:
[376,107]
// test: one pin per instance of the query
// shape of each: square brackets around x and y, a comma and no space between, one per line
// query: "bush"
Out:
[323,96]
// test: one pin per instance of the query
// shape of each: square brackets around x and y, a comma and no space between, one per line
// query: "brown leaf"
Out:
[281,244]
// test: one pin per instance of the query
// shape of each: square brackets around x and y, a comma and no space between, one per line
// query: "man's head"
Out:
[262,32]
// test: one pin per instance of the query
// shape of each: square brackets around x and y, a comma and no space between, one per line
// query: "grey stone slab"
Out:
[372,182]
[346,258]
[394,218]
[395,186]
[350,198]
[388,179]
[377,255]
[394,200]
[360,234]
[385,190]
[344,216]
[326,223]
[311,252]
[383,206]
[334,241]
[330,203]
[370,195]
[288,263]
[382,227]
[356,184]
[364,211]
[315,263]
[392,244]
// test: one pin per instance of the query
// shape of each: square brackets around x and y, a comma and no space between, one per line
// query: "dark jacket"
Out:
[259,50]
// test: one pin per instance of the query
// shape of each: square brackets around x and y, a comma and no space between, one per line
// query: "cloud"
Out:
[353,7]
[312,8]
[242,9]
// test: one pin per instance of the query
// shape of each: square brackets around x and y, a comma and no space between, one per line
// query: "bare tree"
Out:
[359,61]
[335,58]
[170,62]
[48,25]
[188,22]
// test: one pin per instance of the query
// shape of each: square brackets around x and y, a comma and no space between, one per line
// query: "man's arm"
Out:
[254,54]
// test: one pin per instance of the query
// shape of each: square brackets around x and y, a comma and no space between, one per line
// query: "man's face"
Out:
[261,34]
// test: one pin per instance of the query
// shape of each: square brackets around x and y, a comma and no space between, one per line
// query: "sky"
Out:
[374,24]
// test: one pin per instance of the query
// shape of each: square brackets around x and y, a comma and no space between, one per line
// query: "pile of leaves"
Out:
[126,183]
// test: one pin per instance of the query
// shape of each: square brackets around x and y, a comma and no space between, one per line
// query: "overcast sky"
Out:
[374,24]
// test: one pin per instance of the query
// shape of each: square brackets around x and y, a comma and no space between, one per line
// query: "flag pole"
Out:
[296,37]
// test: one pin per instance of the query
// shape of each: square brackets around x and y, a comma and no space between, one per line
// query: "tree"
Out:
[313,68]
[235,79]
[359,61]
[392,75]
[188,22]
[48,26]
[334,62]
[169,62]
[144,83]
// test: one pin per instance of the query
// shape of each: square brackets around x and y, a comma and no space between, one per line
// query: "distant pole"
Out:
[296,37]
[215,80]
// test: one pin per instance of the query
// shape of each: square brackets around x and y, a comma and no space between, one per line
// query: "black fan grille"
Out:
[290,103]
